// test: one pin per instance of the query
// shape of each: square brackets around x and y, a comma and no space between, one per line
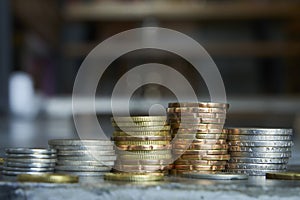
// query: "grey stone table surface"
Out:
[170,188]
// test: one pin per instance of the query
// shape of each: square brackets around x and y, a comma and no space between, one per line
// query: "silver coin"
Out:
[83,168]
[261,143]
[83,147]
[87,158]
[260,149]
[29,151]
[28,165]
[260,131]
[217,176]
[256,166]
[29,169]
[15,173]
[259,137]
[30,160]
[81,173]
[252,172]
[70,142]
[85,153]
[85,163]
[260,155]
[259,160]
[39,156]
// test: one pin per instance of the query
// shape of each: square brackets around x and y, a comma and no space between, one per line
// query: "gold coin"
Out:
[163,142]
[47,178]
[135,177]
[199,152]
[284,175]
[140,118]
[196,115]
[144,157]
[200,141]
[197,126]
[199,162]
[138,124]
[200,167]
[141,133]
[195,146]
[2,160]
[199,104]
[180,171]
[192,130]
[145,168]
[196,110]
[153,152]
[141,138]
[144,147]
[144,162]
[194,121]
[205,157]
[208,136]
[143,129]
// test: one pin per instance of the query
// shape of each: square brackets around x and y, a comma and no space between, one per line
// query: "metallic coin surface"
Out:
[85,153]
[260,155]
[207,136]
[284,175]
[256,166]
[144,147]
[140,168]
[216,176]
[199,162]
[261,143]
[260,149]
[196,110]
[83,147]
[197,126]
[85,163]
[162,142]
[87,174]
[199,104]
[47,178]
[196,121]
[260,137]
[37,156]
[144,157]
[143,129]
[139,118]
[144,162]
[201,141]
[153,152]
[196,130]
[174,115]
[141,138]
[30,160]
[141,133]
[260,131]
[71,142]
[199,152]
[14,173]
[29,165]
[205,157]
[195,146]
[82,168]
[258,160]
[87,158]
[200,167]
[252,172]
[139,124]
[135,177]
[29,169]
[29,151]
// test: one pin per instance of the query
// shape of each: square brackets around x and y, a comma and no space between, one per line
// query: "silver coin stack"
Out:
[256,151]
[28,161]
[83,157]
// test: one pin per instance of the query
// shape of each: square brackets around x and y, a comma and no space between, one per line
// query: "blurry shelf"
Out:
[180,10]
[256,49]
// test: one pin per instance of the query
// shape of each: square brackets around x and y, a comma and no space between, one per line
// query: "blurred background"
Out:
[255,44]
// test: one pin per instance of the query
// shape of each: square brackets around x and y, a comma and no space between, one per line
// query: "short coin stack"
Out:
[143,144]
[199,142]
[83,157]
[255,151]
[29,161]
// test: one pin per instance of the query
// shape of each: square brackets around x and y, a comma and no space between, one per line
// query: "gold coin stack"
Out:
[199,141]
[143,144]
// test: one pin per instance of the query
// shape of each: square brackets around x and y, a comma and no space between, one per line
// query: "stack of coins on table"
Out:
[29,161]
[255,151]
[143,144]
[199,141]
[83,157]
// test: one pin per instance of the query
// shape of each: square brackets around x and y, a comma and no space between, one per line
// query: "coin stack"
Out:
[29,161]
[199,143]
[255,151]
[143,144]
[83,157]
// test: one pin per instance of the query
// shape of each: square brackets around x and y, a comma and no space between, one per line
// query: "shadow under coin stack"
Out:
[199,141]
[255,151]
[83,157]
[143,144]
[29,161]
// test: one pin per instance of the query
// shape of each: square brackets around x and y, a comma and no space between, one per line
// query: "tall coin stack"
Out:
[199,141]
[255,151]
[83,157]
[143,144]
[29,161]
